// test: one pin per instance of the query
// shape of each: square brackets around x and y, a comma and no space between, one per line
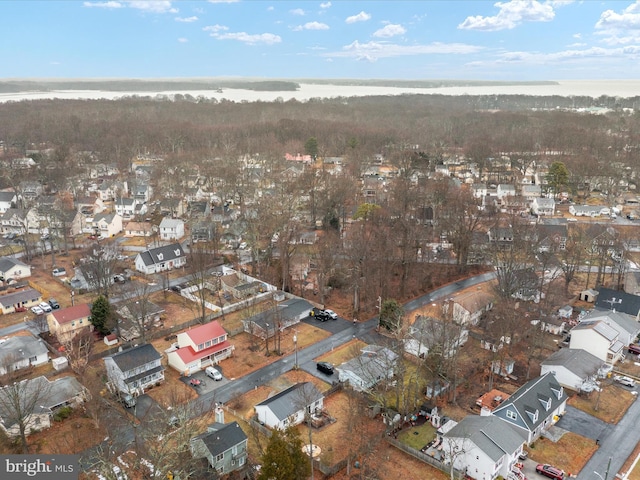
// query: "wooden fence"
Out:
[424,457]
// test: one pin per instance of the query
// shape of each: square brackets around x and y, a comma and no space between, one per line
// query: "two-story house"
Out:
[291,406]
[224,447]
[161,259]
[199,348]
[8,199]
[65,323]
[11,267]
[22,351]
[543,206]
[534,407]
[573,368]
[468,308]
[171,229]
[599,339]
[483,447]
[126,207]
[107,225]
[135,370]
[428,334]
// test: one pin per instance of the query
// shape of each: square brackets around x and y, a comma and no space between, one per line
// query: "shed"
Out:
[59,363]
[588,295]
[565,312]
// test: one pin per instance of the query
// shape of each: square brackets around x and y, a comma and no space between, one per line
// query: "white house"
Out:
[199,348]
[134,370]
[107,225]
[505,190]
[11,267]
[171,229]
[290,406]
[374,365]
[126,207]
[161,259]
[427,333]
[571,367]
[21,352]
[599,339]
[534,407]
[543,206]
[468,308]
[8,199]
[483,447]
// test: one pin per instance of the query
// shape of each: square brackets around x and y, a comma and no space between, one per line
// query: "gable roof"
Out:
[171,223]
[618,301]
[490,434]
[20,296]
[22,346]
[600,327]
[206,332]
[7,263]
[135,357]
[621,322]
[579,362]
[290,401]
[223,439]
[70,314]
[166,253]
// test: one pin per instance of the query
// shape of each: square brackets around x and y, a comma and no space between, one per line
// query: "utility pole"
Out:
[295,347]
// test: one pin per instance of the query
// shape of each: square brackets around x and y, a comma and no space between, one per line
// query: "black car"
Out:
[54,303]
[325,367]
[320,315]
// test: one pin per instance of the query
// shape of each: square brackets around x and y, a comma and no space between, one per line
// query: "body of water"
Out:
[589,88]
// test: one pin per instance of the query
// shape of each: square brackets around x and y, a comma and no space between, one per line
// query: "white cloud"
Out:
[325,5]
[620,28]
[577,35]
[54,63]
[372,51]
[223,1]
[512,14]
[389,31]
[221,32]
[103,4]
[571,54]
[297,11]
[361,17]
[187,19]
[154,6]
[312,26]
[576,45]
[182,40]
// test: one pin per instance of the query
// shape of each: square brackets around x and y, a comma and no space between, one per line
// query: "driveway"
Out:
[577,421]
[206,384]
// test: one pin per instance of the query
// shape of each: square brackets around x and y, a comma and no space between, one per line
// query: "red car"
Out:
[549,471]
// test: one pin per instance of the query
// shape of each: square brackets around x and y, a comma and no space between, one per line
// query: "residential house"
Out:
[30,190]
[306,159]
[626,325]
[51,396]
[160,259]
[66,323]
[543,206]
[632,283]
[90,205]
[203,231]
[142,192]
[224,447]
[479,190]
[551,237]
[199,348]
[266,324]
[134,316]
[224,214]
[199,209]
[490,400]
[11,267]
[502,236]
[135,370]
[8,199]
[107,225]
[553,324]
[138,229]
[531,191]
[505,190]
[468,308]
[534,407]
[20,221]
[172,207]
[572,367]
[171,229]
[240,288]
[428,334]
[515,205]
[599,339]
[585,210]
[107,190]
[482,447]
[126,207]
[618,301]
[19,300]
[526,285]
[21,352]
[373,365]
[291,406]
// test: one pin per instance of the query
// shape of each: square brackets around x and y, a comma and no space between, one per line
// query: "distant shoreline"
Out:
[304,90]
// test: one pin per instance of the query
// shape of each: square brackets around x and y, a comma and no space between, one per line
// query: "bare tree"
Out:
[78,349]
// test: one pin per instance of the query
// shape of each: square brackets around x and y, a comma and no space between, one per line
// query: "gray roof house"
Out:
[427,334]
[24,298]
[134,370]
[618,301]
[21,352]
[375,364]
[286,314]
[161,259]
[572,367]
[534,407]
[224,447]
[290,406]
[485,447]
[50,396]
[11,267]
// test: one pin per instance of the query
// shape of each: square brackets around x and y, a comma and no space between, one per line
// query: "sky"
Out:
[510,40]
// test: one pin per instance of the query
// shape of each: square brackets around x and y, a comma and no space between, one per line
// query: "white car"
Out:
[626,381]
[45,307]
[332,315]
[212,372]
[37,310]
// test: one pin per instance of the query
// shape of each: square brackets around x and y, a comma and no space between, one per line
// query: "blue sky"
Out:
[504,40]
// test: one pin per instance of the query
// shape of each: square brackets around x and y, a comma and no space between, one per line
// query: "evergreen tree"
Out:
[101,315]
[391,315]
[311,147]
[283,458]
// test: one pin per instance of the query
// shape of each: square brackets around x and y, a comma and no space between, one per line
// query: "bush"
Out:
[64,412]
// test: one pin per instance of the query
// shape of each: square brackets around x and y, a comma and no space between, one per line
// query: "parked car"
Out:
[45,307]
[550,471]
[54,303]
[332,315]
[37,310]
[214,373]
[59,271]
[635,349]
[319,314]
[325,367]
[624,380]
[118,279]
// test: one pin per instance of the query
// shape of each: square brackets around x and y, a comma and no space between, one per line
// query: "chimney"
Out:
[219,412]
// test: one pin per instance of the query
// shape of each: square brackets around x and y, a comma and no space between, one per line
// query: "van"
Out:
[59,272]
[212,372]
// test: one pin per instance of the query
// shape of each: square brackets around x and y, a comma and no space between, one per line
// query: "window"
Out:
[512,415]
[200,346]
[219,457]
[32,359]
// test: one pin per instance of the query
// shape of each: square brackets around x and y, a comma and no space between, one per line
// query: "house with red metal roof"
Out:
[68,322]
[200,347]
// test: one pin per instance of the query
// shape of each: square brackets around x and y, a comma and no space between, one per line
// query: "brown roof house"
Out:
[468,308]
[66,323]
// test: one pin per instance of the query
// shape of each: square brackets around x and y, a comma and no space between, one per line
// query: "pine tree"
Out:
[101,315]
[284,459]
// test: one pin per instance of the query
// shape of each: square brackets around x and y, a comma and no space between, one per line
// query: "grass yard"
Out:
[614,402]
[343,353]
[418,436]
[570,453]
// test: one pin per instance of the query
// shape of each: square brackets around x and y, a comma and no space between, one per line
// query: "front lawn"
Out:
[611,406]
[570,453]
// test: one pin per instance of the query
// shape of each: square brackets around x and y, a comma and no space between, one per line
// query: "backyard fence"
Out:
[424,457]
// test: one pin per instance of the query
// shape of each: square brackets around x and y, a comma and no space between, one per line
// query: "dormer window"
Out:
[559,392]
[545,401]
[512,415]
[160,256]
[533,414]
[176,252]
